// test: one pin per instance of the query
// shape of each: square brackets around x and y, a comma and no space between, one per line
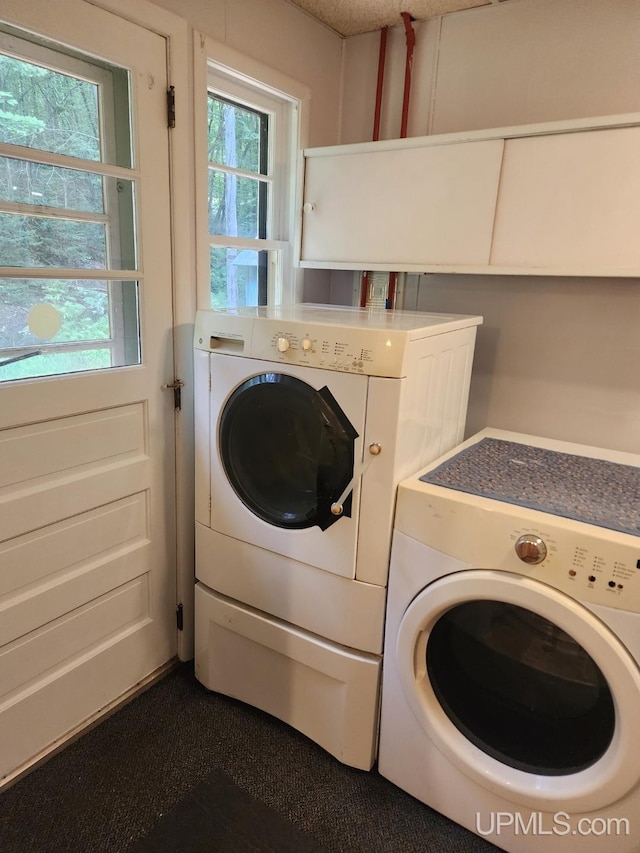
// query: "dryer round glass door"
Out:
[287,450]
[523,688]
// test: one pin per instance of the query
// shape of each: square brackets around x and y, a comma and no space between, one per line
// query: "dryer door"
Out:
[287,450]
[524,689]
[285,442]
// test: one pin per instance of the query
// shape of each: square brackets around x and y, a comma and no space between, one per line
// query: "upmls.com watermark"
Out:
[539,823]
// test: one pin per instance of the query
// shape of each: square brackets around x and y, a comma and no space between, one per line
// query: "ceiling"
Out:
[351,17]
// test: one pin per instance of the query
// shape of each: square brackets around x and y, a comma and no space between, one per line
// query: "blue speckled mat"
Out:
[595,491]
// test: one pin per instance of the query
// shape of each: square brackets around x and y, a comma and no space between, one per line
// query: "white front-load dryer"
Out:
[511,683]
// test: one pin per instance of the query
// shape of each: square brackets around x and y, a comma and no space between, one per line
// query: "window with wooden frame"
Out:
[252,139]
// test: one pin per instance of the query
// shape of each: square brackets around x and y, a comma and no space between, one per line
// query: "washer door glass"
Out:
[287,450]
[520,688]
[524,689]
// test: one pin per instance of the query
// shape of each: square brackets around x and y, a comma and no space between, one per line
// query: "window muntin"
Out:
[66,218]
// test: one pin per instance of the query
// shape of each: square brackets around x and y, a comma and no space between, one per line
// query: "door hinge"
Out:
[177,387]
[171,106]
[180,617]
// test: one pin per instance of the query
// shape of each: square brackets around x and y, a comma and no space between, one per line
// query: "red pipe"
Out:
[391,290]
[411,41]
[381,61]
[364,282]
[364,289]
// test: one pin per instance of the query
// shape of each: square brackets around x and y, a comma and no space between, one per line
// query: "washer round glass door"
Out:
[524,689]
[287,450]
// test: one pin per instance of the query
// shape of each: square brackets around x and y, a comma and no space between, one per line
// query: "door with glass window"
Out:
[524,689]
[287,450]
[87,516]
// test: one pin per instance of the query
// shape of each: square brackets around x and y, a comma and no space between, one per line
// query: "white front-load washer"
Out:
[511,683]
[307,417]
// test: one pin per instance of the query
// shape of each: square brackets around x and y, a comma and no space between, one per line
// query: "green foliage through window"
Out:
[45,109]
[237,203]
[56,218]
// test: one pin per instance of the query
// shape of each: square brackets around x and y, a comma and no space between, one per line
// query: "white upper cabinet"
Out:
[570,201]
[369,207]
[557,199]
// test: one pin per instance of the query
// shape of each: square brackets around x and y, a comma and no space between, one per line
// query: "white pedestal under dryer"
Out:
[511,686]
[307,417]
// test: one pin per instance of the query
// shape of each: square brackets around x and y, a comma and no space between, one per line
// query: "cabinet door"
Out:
[570,202]
[397,209]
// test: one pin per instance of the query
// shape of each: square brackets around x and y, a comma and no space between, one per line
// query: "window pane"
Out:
[39,241]
[237,136]
[237,206]
[48,315]
[238,278]
[34,241]
[62,113]
[54,363]
[53,186]
[48,110]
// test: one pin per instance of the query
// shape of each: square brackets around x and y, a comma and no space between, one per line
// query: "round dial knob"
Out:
[531,549]
[283,344]
[306,344]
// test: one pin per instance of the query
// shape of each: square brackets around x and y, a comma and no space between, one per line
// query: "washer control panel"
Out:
[588,568]
[590,563]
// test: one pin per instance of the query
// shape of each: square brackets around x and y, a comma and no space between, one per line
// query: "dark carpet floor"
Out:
[107,791]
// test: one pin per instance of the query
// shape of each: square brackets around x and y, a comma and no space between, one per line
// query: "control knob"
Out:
[531,549]
[283,344]
[306,344]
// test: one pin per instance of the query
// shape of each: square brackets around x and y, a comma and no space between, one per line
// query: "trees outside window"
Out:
[252,139]
[238,141]
[66,223]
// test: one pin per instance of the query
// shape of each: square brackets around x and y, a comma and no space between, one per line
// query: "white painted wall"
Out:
[514,63]
[558,357]
[279,35]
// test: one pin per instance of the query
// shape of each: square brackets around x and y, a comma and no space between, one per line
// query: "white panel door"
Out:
[87,516]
